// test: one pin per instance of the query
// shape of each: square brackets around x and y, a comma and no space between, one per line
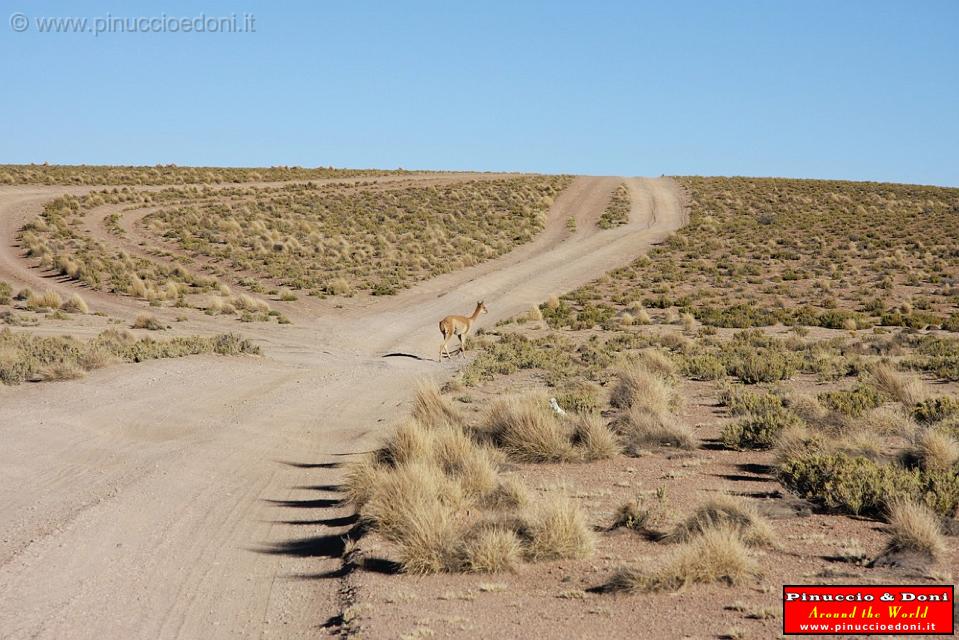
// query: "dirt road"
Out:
[194,498]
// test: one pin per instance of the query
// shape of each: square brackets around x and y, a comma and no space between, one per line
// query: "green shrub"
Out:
[763,365]
[512,352]
[759,431]
[853,402]
[579,397]
[936,409]
[739,316]
[741,401]
[859,485]
[951,323]
[703,366]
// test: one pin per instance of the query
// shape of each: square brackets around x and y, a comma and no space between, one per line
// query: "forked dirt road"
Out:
[195,497]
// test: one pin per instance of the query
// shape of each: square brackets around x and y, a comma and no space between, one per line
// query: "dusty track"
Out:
[194,497]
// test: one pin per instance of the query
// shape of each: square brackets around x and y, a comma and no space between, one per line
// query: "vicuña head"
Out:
[459,326]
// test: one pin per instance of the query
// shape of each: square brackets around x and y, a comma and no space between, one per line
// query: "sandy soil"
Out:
[191,498]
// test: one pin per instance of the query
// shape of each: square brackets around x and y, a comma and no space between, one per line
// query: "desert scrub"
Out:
[170,174]
[557,356]
[6,293]
[858,485]
[381,239]
[25,356]
[57,242]
[617,211]
[758,252]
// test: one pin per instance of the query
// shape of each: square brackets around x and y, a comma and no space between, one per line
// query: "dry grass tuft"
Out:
[558,531]
[635,515]
[145,321]
[905,388]
[407,496]
[642,428]
[593,438]
[473,465]
[636,384]
[657,362]
[75,304]
[429,537]
[411,441]
[46,300]
[492,550]
[889,420]
[526,428]
[62,371]
[718,555]
[935,451]
[361,479]
[727,512]
[508,494]
[432,409]
[913,527]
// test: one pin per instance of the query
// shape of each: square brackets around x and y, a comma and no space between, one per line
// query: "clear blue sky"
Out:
[853,89]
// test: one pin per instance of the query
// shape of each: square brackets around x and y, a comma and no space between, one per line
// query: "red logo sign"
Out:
[868,609]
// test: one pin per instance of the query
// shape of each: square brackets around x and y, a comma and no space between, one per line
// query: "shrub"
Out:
[936,409]
[861,486]
[6,293]
[762,366]
[742,401]
[854,402]
[24,356]
[759,431]
[617,211]
[703,366]
[579,396]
